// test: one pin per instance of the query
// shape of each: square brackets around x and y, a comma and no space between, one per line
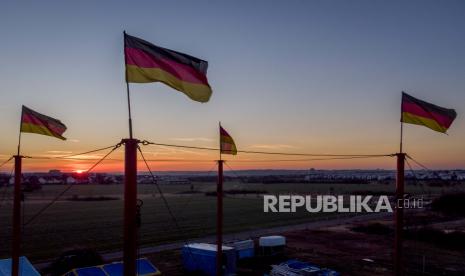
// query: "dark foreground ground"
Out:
[346,251]
[361,245]
[97,224]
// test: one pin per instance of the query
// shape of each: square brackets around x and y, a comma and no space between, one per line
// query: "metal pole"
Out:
[401,124]
[219,220]
[219,125]
[401,136]
[127,87]
[399,215]
[20,126]
[16,245]
[130,207]
[129,110]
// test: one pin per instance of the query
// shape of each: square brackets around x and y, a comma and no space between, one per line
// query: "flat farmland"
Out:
[69,224]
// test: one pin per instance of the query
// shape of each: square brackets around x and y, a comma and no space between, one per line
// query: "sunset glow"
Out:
[296,85]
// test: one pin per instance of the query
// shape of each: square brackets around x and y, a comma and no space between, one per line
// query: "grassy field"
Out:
[98,224]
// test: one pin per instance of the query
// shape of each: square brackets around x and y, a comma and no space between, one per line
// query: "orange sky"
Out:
[306,77]
[163,158]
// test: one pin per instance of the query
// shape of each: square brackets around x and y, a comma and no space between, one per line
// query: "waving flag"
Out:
[418,112]
[146,63]
[34,122]
[227,145]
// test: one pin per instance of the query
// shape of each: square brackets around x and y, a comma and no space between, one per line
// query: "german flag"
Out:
[146,63]
[418,112]
[227,145]
[34,122]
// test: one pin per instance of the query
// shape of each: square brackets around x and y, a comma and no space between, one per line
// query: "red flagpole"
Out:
[16,239]
[16,245]
[399,215]
[130,194]
[130,207]
[219,220]
[399,212]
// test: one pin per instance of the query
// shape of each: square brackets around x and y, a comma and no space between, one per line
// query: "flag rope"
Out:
[418,163]
[422,166]
[165,201]
[6,162]
[36,215]
[213,160]
[154,181]
[87,152]
[70,157]
[311,159]
[145,143]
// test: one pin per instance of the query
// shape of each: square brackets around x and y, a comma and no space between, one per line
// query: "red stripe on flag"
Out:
[27,118]
[226,146]
[183,72]
[419,111]
[31,119]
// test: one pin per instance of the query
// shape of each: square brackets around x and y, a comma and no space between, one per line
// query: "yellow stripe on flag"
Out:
[195,91]
[227,139]
[32,128]
[227,145]
[419,120]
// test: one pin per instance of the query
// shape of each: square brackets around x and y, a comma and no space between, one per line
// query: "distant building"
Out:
[70,180]
[54,173]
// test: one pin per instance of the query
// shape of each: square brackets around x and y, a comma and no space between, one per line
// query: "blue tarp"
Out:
[201,257]
[89,271]
[295,267]
[25,267]
[144,268]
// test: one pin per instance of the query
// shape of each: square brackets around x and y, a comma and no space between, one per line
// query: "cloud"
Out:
[89,156]
[57,154]
[193,139]
[272,146]
[73,140]
[169,151]
[59,151]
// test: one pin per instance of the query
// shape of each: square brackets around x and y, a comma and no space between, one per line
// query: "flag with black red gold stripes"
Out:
[418,112]
[34,122]
[146,63]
